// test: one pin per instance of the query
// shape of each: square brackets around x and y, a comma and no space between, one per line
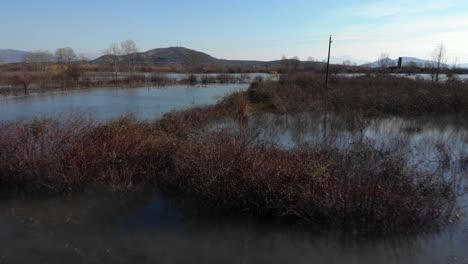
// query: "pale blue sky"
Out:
[241,29]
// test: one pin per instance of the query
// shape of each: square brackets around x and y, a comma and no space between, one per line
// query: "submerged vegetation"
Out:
[361,188]
[19,83]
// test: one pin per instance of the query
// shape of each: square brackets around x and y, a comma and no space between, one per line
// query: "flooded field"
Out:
[430,143]
[111,227]
[109,103]
[414,76]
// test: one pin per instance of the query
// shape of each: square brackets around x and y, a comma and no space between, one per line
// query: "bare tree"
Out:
[65,55]
[384,62]
[439,58]
[69,70]
[129,50]
[113,57]
[38,58]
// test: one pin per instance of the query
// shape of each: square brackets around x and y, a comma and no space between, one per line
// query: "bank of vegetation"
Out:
[370,95]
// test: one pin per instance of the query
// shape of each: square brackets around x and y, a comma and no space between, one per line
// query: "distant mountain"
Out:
[406,62]
[464,66]
[12,56]
[180,55]
[167,56]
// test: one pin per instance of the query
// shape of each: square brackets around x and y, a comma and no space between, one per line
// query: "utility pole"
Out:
[328,63]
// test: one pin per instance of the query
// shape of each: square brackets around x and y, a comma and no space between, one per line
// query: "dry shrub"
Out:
[367,94]
[363,189]
[55,156]
[182,123]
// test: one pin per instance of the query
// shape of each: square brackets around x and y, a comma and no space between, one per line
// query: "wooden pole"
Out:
[328,62]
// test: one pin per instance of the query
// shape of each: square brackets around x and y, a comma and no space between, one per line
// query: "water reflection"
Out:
[101,227]
[437,144]
[107,103]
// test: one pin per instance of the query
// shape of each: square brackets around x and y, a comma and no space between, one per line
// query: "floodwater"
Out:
[100,227]
[106,227]
[414,76]
[108,103]
[435,144]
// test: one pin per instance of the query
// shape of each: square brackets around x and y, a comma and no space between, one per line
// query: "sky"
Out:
[242,29]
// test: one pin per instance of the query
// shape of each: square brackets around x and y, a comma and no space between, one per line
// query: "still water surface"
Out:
[100,227]
[107,103]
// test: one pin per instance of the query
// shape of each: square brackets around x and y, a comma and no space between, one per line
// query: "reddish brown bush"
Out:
[362,189]
[49,155]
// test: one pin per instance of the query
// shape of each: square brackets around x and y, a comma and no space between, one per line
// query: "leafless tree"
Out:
[113,57]
[65,55]
[384,62]
[129,50]
[439,58]
[66,58]
[38,59]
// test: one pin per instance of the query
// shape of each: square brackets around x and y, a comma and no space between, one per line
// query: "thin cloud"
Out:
[382,9]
